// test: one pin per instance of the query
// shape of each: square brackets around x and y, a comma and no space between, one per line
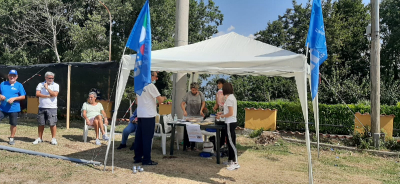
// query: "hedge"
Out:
[334,119]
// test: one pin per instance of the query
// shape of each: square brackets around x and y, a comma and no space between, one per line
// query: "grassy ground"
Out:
[281,163]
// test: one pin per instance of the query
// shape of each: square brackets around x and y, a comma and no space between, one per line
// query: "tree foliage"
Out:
[46,31]
[346,71]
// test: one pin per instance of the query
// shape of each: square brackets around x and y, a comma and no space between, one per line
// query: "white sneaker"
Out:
[53,141]
[98,142]
[105,138]
[233,166]
[229,162]
[37,141]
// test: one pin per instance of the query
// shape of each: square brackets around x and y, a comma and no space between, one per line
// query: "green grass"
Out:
[287,161]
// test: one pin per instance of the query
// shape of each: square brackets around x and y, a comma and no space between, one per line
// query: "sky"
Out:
[246,17]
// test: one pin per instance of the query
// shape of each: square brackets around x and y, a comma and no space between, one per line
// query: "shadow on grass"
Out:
[182,164]
[22,139]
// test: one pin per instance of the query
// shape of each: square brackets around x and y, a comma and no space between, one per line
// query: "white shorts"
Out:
[91,120]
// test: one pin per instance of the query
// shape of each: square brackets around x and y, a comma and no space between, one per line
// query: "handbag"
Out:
[208,147]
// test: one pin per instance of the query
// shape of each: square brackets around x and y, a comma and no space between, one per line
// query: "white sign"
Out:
[194,133]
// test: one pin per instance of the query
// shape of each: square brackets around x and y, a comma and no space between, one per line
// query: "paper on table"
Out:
[194,133]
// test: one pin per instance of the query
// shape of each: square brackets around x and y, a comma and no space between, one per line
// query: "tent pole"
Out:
[310,174]
[68,95]
[316,111]
[114,117]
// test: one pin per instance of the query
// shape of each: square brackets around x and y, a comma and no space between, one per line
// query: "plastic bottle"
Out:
[176,117]
[6,100]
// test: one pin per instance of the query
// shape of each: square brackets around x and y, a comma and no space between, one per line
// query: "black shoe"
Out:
[150,163]
[136,161]
[132,148]
[121,146]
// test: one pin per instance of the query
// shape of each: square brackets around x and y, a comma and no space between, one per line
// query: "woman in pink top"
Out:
[219,104]
[219,107]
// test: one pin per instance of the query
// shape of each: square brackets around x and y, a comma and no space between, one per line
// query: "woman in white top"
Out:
[230,112]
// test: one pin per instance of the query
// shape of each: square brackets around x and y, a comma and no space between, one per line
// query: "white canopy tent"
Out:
[230,54]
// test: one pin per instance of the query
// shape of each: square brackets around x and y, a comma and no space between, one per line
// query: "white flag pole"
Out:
[114,118]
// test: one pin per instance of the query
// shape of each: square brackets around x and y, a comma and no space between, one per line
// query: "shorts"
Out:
[91,120]
[12,115]
[48,115]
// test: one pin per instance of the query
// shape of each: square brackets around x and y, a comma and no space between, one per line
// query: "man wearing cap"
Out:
[11,92]
[47,92]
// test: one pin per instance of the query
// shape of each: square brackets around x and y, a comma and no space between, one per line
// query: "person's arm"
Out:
[39,94]
[183,108]
[19,98]
[161,99]
[203,104]
[52,93]
[216,103]
[229,114]
[104,117]
[85,117]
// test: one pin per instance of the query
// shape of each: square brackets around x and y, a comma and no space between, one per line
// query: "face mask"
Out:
[154,81]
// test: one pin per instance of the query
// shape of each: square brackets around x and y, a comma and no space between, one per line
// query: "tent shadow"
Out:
[77,138]
[182,164]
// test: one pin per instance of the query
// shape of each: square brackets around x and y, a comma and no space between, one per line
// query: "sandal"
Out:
[195,149]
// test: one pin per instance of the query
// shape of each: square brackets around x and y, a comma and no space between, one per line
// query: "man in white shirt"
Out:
[146,112]
[47,92]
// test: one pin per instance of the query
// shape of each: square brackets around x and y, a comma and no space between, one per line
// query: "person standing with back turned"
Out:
[146,113]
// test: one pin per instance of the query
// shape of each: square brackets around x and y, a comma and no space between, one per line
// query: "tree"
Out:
[390,31]
[90,41]
[40,23]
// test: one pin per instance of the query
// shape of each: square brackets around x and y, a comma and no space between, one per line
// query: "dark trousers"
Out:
[231,152]
[224,134]
[143,139]
[186,141]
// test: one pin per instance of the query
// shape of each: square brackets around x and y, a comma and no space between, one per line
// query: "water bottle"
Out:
[6,100]
[176,117]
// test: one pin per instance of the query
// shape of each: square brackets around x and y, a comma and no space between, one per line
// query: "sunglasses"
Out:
[51,78]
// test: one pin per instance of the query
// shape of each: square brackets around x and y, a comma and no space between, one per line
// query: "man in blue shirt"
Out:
[11,92]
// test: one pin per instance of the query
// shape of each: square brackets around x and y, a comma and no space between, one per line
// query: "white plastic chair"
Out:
[163,130]
[86,129]
[207,133]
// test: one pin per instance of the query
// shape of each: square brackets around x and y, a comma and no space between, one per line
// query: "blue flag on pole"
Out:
[140,41]
[317,44]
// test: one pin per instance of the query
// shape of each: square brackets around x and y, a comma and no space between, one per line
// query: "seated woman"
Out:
[92,112]
[192,105]
[128,130]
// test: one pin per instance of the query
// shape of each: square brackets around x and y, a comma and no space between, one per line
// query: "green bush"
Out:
[338,115]
[256,133]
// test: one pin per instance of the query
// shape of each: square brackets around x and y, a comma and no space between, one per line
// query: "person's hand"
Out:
[184,113]
[2,97]
[218,116]
[48,96]
[87,121]
[11,100]
[46,85]
[201,113]
[219,113]
[106,121]
[215,109]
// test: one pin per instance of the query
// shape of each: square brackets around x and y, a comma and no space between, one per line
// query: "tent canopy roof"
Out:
[228,54]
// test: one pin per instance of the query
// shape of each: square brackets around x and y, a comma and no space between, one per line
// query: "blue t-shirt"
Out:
[11,91]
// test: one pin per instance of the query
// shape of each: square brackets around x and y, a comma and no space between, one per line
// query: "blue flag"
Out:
[140,41]
[317,43]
